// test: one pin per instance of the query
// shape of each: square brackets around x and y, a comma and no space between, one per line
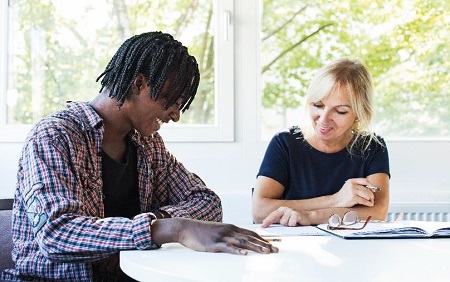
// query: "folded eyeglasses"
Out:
[335,222]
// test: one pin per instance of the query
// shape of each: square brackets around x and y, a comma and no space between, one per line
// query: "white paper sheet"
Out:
[277,230]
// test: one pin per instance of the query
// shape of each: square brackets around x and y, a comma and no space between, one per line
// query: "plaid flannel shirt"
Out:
[59,228]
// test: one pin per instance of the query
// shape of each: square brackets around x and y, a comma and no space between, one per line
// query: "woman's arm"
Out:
[268,208]
[267,198]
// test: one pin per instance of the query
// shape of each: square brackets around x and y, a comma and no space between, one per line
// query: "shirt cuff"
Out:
[141,232]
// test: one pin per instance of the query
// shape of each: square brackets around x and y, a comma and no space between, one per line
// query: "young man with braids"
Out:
[96,178]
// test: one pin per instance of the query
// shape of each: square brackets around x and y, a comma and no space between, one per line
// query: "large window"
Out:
[52,51]
[56,50]
[404,43]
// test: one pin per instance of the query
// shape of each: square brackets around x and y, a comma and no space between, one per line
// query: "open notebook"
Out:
[399,229]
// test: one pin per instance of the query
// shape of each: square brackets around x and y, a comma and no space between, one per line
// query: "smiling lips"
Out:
[323,129]
[159,121]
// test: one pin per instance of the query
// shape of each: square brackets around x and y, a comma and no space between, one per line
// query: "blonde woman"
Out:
[335,164]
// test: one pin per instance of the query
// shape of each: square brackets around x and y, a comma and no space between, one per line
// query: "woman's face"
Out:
[333,117]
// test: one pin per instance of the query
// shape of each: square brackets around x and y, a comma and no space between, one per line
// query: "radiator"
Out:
[237,210]
[426,212]
[425,216]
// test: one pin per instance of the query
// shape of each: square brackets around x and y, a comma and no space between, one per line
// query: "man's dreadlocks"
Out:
[159,57]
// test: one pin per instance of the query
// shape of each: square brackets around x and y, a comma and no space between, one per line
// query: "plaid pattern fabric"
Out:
[59,227]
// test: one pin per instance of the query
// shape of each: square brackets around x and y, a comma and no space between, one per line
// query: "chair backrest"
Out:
[6,204]
[6,243]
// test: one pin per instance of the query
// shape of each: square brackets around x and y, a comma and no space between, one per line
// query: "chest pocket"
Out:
[91,194]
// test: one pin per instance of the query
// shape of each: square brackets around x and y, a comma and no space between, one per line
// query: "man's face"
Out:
[147,115]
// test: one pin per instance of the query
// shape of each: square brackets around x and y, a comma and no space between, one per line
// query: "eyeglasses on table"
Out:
[335,222]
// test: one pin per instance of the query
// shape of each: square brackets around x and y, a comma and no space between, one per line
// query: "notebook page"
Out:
[407,228]
[276,230]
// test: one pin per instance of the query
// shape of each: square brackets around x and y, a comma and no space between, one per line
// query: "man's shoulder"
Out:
[80,112]
[66,123]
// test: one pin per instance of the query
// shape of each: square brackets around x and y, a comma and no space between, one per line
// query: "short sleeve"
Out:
[379,158]
[275,163]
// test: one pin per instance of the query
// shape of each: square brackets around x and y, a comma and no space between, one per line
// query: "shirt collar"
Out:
[87,113]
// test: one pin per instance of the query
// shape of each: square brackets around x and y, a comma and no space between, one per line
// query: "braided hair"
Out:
[159,57]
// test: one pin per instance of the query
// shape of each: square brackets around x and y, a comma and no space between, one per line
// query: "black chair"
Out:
[6,243]
[6,204]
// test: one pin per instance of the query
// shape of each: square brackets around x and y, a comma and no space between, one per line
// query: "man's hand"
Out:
[209,236]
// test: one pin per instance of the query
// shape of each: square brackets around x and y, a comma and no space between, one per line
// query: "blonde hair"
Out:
[357,80]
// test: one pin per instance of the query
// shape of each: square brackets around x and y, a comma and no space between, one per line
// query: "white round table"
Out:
[301,258]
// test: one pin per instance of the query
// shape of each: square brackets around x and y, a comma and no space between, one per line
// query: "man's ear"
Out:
[139,82]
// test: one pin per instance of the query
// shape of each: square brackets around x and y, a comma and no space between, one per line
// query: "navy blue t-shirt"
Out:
[308,173]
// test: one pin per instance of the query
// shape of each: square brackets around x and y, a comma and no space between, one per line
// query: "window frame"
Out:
[4,34]
[223,128]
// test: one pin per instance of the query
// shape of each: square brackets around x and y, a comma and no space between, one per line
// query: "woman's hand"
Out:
[210,236]
[354,192]
[287,217]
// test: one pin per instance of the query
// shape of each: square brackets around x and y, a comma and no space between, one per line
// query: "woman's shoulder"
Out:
[369,143]
[293,132]
[289,137]
[289,134]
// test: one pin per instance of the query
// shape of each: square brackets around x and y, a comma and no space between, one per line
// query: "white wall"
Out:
[420,169]
[420,172]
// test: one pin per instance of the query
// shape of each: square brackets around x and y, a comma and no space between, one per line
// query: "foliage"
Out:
[61,56]
[403,44]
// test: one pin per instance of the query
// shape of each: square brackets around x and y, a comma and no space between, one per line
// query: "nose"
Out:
[175,115]
[324,116]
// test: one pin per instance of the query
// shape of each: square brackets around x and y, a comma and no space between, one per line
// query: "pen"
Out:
[373,187]
[273,239]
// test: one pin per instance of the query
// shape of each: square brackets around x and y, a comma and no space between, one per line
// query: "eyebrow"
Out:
[343,105]
[348,106]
